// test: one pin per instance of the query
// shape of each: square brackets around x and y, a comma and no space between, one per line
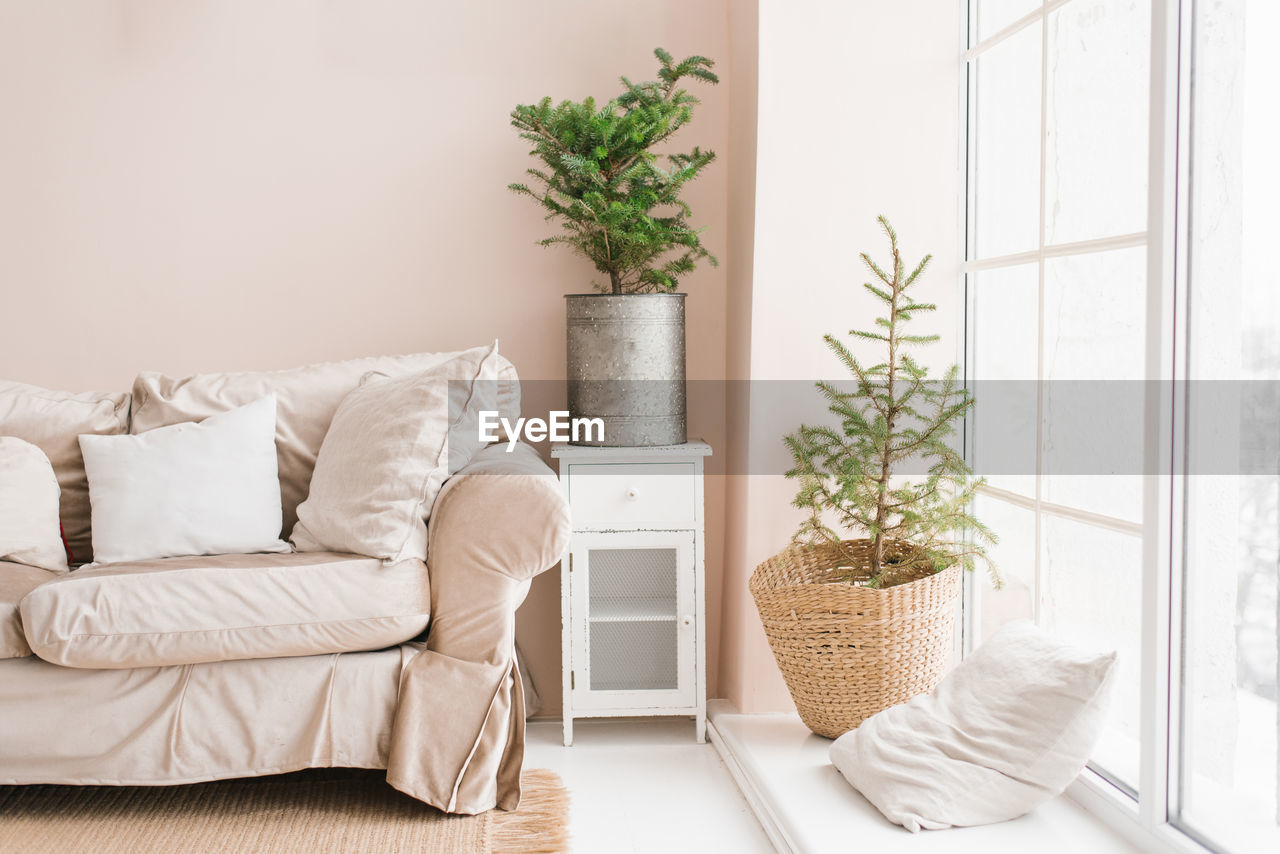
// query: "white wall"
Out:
[859,114]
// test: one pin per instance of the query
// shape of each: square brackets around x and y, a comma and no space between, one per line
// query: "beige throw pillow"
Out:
[1005,731]
[307,398]
[29,507]
[53,421]
[387,452]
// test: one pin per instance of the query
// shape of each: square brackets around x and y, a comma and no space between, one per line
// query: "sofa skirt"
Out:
[193,723]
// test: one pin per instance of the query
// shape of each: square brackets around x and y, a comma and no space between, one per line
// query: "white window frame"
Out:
[1145,820]
[1038,256]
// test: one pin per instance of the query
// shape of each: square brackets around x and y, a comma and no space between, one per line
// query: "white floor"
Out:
[811,809]
[646,786]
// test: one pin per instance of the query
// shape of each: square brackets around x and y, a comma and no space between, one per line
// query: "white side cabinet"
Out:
[632,597]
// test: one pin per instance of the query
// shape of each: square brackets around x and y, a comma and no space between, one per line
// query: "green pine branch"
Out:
[599,176]
[895,414]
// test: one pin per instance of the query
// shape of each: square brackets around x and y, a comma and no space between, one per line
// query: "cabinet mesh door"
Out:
[632,625]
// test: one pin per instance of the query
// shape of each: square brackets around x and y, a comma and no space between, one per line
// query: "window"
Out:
[1123,345]
[1226,794]
[1056,306]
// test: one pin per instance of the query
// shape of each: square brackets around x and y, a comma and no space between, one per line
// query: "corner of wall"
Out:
[744,62]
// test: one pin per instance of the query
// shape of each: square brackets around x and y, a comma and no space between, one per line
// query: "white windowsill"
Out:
[806,806]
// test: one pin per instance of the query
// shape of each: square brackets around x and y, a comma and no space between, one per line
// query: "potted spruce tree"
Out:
[618,204]
[859,624]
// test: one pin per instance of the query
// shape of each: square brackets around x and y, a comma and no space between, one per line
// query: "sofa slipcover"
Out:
[53,422]
[306,400]
[197,609]
[154,726]
[443,716]
[16,581]
[459,727]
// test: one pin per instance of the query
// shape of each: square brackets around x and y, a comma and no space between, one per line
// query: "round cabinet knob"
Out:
[632,493]
[687,619]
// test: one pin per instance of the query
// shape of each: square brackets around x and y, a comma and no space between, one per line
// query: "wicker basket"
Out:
[845,651]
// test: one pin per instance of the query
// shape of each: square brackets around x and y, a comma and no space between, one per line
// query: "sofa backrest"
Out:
[306,399]
[52,421]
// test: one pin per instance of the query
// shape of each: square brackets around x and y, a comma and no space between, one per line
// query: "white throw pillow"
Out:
[1005,731]
[29,495]
[388,450]
[187,489]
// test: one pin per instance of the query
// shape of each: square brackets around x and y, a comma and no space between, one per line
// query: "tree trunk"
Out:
[615,281]
[890,415]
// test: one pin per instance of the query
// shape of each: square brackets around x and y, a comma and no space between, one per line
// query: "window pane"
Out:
[1015,560]
[1003,329]
[1070,330]
[1006,111]
[1096,131]
[1094,327]
[994,15]
[1092,580]
[1232,525]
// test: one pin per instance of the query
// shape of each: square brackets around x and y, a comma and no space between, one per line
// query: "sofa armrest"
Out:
[458,737]
[503,512]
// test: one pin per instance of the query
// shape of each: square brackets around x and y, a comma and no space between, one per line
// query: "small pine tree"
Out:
[617,205]
[894,413]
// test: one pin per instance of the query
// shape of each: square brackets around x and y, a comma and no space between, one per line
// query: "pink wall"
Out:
[201,185]
[738,607]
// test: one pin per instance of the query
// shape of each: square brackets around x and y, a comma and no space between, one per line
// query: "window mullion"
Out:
[1027,20]
[1058,250]
[970,601]
[1157,686]
[1039,587]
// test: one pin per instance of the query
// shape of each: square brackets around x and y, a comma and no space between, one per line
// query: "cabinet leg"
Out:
[701,727]
[568,731]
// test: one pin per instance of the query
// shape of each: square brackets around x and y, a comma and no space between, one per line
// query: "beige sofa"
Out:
[199,668]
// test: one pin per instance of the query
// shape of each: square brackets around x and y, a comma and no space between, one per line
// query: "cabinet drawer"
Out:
[632,495]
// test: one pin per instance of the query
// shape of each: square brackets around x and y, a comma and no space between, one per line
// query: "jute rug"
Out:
[331,811]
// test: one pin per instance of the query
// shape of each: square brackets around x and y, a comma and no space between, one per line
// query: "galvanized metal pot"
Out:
[626,366]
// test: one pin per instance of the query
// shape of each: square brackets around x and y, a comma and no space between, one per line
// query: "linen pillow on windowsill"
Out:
[1004,732]
[389,448]
[29,530]
[187,489]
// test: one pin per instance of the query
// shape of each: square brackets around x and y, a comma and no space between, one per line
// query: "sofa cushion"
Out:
[16,581]
[391,445]
[307,398]
[194,609]
[53,421]
[29,531]
[187,489]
